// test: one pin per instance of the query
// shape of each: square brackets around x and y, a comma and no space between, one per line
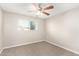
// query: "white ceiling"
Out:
[24,8]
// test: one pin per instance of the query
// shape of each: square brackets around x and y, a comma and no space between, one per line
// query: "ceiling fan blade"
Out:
[36,6]
[45,13]
[49,7]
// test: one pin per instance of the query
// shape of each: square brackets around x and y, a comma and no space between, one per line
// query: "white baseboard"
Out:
[1,51]
[22,44]
[63,47]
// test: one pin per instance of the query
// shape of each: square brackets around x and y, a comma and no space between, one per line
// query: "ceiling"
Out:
[26,8]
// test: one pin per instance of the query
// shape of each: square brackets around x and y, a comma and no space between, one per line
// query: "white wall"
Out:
[14,37]
[1,30]
[63,30]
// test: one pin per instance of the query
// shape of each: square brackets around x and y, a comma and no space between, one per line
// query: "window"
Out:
[27,25]
[32,25]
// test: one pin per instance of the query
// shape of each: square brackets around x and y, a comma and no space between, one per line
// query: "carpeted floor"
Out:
[37,49]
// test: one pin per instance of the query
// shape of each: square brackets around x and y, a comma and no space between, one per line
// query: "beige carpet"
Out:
[37,49]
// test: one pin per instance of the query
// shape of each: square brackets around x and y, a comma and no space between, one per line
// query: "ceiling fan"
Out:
[43,9]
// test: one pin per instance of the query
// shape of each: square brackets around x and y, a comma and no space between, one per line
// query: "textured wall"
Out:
[1,29]
[63,30]
[14,37]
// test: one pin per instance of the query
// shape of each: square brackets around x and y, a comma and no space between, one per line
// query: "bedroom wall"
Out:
[14,37]
[1,37]
[63,30]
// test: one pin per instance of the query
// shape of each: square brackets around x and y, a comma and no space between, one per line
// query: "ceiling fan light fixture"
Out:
[39,13]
